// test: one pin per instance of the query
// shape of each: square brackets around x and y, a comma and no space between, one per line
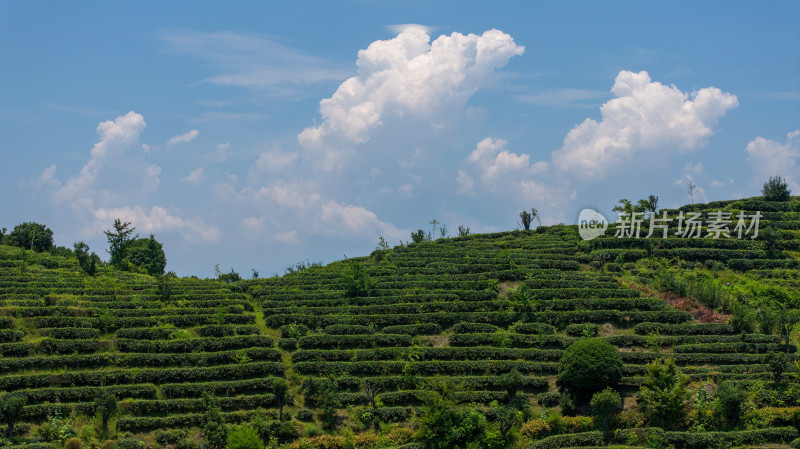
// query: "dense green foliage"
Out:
[588,366]
[664,395]
[11,406]
[605,404]
[776,189]
[148,254]
[31,235]
[452,342]
[244,437]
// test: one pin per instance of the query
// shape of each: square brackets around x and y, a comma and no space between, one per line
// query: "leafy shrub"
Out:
[583,330]
[128,442]
[649,328]
[588,366]
[73,443]
[400,435]
[664,397]
[548,399]
[702,440]
[293,330]
[728,407]
[605,405]
[166,437]
[244,437]
[570,440]
[356,280]
[304,415]
[288,344]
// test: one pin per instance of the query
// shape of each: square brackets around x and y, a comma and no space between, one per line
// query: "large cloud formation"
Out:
[645,116]
[409,77]
[110,178]
[115,136]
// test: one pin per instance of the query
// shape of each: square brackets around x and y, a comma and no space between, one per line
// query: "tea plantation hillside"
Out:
[457,342]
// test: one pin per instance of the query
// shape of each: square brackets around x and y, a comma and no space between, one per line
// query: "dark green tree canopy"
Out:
[356,280]
[118,241]
[134,253]
[663,396]
[106,405]
[11,405]
[589,366]
[87,262]
[605,404]
[31,235]
[148,254]
[776,189]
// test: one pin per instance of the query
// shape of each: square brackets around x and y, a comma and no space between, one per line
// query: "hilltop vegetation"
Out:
[528,338]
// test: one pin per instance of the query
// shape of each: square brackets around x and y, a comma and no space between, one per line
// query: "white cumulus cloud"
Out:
[355,220]
[111,177]
[771,158]
[313,214]
[498,164]
[115,136]
[409,77]
[504,174]
[645,116]
[157,219]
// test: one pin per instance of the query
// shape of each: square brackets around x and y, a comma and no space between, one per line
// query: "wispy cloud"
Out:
[785,95]
[182,138]
[572,98]
[79,110]
[254,62]
[240,118]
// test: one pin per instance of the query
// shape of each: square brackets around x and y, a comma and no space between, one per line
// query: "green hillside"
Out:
[456,342]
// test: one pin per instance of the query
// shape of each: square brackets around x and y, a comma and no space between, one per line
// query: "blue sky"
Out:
[257,134]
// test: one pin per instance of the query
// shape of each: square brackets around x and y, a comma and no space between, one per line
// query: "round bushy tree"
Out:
[589,366]
[147,254]
[31,235]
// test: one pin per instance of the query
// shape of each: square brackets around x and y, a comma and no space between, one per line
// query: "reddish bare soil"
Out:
[700,312]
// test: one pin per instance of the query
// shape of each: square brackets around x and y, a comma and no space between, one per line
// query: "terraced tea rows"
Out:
[381,333]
